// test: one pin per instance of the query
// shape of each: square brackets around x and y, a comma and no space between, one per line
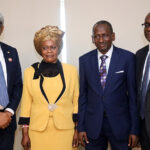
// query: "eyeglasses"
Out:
[146,25]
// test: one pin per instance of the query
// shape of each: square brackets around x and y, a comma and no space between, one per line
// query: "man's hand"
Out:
[5,119]
[133,141]
[83,138]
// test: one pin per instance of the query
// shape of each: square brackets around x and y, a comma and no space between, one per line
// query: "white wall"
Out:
[24,17]
[126,17]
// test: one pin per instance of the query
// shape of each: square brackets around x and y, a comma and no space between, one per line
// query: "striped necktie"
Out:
[4,99]
[103,71]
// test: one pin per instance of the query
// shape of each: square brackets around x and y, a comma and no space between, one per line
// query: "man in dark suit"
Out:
[107,101]
[11,85]
[143,77]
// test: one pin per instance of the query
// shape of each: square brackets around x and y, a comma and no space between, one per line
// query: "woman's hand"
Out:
[26,142]
[75,142]
[25,139]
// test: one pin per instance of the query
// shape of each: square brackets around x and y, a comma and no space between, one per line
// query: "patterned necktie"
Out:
[144,86]
[103,72]
[4,100]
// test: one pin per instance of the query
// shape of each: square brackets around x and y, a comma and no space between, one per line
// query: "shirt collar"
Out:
[1,53]
[148,50]
[109,53]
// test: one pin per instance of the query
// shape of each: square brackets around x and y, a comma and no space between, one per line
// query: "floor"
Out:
[80,148]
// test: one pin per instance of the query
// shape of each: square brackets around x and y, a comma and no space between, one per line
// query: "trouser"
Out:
[106,136]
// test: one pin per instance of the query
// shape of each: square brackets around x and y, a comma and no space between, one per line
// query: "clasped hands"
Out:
[5,119]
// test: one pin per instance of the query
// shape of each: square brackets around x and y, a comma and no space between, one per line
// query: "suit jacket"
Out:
[14,81]
[118,99]
[140,61]
[35,107]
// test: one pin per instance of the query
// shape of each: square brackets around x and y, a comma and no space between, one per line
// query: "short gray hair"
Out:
[103,22]
[1,19]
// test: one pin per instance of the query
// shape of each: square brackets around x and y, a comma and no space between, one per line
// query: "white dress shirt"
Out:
[109,54]
[2,60]
[145,65]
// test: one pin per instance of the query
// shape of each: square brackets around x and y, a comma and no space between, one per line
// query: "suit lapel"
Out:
[140,65]
[96,74]
[113,64]
[8,60]
[147,49]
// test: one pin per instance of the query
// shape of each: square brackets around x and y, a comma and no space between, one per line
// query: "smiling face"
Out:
[147,27]
[103,37]
[49,51]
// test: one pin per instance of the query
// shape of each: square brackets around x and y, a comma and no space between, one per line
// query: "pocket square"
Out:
[121,71]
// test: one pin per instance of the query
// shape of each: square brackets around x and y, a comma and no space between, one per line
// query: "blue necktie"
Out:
[4,100]
[144,86]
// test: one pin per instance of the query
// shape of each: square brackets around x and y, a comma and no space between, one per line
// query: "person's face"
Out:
[49,51]
[147,28]
[1,29]
[102,37]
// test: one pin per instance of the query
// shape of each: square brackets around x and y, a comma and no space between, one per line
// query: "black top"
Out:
[49,69]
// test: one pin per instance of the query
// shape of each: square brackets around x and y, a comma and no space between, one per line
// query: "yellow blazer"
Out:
[35,106]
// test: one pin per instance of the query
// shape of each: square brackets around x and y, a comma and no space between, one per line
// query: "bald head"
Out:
[147,16]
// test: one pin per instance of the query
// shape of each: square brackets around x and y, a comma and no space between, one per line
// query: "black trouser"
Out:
[6,140]
[7,136]
[144,139]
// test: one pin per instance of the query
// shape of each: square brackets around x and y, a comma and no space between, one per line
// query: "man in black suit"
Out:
[143,84]
[12,81]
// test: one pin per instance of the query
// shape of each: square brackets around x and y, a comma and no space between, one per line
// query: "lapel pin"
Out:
[8,52]
[10,59]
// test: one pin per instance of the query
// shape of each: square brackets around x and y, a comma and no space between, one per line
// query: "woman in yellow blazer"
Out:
[49,104]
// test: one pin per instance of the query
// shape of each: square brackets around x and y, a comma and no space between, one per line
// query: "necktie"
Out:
[144,86]
[103,72]
[4,100]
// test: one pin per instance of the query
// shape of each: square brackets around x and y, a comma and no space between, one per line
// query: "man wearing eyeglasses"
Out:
[143,85]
